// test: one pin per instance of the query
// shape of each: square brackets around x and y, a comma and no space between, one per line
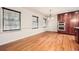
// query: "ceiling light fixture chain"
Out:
[50,14]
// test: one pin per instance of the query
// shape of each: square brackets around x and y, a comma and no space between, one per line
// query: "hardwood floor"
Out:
[47,41]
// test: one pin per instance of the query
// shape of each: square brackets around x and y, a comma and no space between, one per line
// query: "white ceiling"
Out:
[55,10]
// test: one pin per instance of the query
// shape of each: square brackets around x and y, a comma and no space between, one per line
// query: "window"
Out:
[11,19]
[35,22]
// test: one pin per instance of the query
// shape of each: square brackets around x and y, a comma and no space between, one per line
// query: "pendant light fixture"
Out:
[50,14]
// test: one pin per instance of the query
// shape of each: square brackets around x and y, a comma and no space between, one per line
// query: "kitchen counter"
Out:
[76,27]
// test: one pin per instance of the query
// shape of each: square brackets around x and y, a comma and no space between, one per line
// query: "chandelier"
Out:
[50,14]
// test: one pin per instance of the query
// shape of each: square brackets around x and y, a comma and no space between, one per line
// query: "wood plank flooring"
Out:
[47,41]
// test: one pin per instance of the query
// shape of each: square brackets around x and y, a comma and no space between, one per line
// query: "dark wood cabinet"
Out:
[77,34]
[71,20]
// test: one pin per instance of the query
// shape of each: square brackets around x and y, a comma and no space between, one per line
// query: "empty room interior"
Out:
[39,28]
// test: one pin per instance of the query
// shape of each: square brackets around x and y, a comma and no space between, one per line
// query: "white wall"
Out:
[26,26]
[52,24]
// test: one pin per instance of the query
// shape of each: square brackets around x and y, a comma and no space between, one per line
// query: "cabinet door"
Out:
[77,16]
[70,23]
[66,21]
[73,22]
[60,17]
[77,35]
